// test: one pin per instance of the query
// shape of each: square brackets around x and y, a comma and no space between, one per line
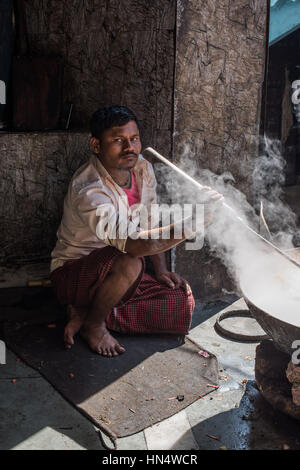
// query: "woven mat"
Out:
[158,376]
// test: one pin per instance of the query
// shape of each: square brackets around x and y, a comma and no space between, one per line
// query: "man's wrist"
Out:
[159,264]
[160,271]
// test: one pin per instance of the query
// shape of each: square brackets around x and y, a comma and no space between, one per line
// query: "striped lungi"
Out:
[148,306]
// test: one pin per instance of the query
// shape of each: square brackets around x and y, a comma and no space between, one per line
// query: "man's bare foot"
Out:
[101,341]
[76,317]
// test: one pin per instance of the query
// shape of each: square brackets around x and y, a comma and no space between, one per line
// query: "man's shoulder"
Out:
[145,170]
[144,165]
[142,162]
[86,175]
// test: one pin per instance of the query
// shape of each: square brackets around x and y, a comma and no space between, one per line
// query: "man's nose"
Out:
[127,145]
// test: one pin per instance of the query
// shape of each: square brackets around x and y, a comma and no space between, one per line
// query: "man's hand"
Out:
[209,195]
[174,281]
[211,205]
[164,276]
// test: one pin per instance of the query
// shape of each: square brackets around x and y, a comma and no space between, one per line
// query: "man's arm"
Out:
[159,263]
[158,240]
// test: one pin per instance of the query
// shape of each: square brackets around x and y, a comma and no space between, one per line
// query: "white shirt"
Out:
[96,211]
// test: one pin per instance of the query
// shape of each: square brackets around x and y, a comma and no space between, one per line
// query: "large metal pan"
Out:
[283,334]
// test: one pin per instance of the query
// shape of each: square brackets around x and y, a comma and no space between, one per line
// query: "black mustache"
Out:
[129,153]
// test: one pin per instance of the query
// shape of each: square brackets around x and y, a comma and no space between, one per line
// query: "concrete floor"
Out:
[33,416]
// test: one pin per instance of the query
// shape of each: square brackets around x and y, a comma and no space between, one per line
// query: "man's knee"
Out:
[188,303]
[128,266]
[182,311]
[182,302]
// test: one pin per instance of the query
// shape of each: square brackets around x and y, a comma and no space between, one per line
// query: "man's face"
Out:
[119,147]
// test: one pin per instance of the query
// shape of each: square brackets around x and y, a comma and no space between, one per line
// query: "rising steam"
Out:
[241,252]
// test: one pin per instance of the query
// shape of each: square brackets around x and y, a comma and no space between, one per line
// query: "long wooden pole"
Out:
[150,152]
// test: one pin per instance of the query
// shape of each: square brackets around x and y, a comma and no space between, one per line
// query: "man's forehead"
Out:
[129,128]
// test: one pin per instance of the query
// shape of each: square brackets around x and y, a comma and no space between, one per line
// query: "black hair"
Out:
[110,116]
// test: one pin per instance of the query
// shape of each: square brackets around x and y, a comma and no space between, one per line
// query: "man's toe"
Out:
[120,349]
[68,339]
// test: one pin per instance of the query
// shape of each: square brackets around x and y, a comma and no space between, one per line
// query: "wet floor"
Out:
[250,424]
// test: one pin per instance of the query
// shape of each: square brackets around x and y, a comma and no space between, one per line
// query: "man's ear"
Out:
[95,145]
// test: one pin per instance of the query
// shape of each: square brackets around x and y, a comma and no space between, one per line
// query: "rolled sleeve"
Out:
[96,210]
[150,186]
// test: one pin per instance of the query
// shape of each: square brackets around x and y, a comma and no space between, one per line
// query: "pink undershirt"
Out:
[133,193]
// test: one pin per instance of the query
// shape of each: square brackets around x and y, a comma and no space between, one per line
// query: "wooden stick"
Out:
[152,153]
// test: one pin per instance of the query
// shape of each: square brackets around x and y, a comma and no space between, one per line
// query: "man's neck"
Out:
[121,176]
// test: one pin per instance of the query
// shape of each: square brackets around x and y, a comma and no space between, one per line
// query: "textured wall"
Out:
[35,172]
[115,52]
[122,51]
[220,60]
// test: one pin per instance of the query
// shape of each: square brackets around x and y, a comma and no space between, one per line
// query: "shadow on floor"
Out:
[34,307]
[205,309]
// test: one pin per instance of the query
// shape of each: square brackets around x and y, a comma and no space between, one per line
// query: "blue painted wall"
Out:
[284,18]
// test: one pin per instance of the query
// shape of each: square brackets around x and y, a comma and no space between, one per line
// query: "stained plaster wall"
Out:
[220,59]
[127,52]
[114,52]
[35,171]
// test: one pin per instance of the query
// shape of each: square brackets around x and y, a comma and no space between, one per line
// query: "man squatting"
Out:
[102,281]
